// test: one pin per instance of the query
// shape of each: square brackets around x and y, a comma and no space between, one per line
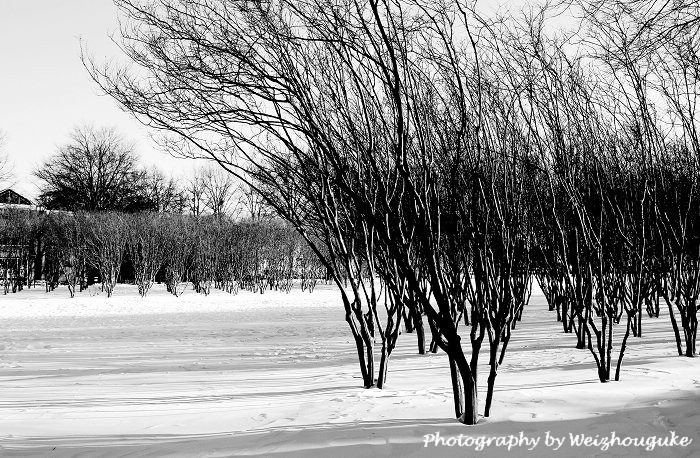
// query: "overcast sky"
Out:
[44,89]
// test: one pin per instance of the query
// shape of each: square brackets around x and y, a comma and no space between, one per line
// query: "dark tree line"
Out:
[145,248]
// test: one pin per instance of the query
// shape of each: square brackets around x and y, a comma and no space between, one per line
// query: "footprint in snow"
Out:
[662,421]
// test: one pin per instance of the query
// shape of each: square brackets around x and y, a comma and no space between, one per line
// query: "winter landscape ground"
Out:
[275,375]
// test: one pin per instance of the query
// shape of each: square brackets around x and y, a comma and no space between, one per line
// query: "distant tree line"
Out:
[98,170]
[77,249]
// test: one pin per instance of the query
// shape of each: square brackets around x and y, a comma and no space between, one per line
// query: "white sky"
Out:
[45,91]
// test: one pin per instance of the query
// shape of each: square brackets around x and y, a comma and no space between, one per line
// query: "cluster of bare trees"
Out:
[206,252]
[622,161]
[436,160]
[98,170]
[16,249]
[95,171]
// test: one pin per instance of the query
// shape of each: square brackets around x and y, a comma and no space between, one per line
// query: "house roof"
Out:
[8,196]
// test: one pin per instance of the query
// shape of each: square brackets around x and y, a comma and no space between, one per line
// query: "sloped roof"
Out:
[8,196]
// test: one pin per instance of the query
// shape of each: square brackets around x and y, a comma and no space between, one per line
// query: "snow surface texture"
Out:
[275,375]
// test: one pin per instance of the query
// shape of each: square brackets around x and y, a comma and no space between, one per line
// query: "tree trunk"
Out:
[691,329]
[471,402]
[457,388]
[493,372]
[366,376]
[417,320]
[606,349]
[580,332]
[383,365]
[623,347]
[408,319]
[506,339]
[639,321]
[433,346]
[476,341]
[674,324]
[366,368]
[463,387]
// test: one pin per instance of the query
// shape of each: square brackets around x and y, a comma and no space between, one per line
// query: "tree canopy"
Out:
[96,170]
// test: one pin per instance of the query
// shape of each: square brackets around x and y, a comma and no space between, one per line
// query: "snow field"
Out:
[275,375]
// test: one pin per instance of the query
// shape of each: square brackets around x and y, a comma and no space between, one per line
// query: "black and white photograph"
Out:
[349,228]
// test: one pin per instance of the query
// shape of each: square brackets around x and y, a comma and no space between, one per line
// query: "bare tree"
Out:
[649,49]
[96,170]
[146,248]
[205,253]
[164,194]
[74,252]
[64,247]
[5,165]
[251,203]
[194,192]
[218,190]
[177,230]
[106,237]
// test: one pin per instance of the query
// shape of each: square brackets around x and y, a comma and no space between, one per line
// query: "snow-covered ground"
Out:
[275,375]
